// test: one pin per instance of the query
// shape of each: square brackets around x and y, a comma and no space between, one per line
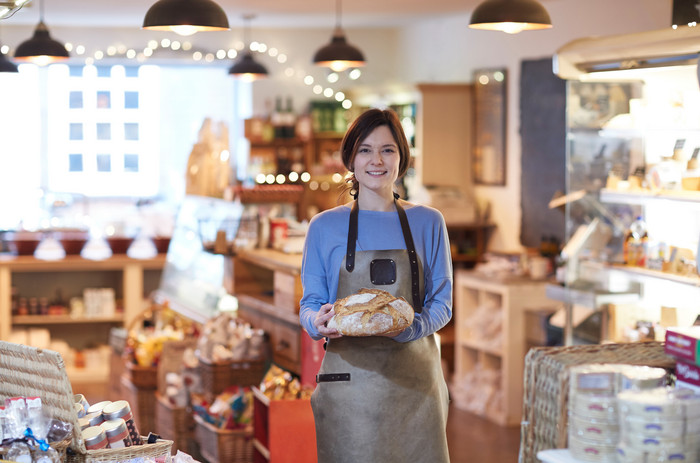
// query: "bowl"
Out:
[22,243]
[119,244]
[162,243]
[72,240]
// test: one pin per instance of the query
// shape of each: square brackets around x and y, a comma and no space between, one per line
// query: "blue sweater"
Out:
[326,245]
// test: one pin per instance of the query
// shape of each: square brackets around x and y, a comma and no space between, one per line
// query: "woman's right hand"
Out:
[324,314]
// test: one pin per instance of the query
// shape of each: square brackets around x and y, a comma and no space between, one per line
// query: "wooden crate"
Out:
[223,445]
[284,430]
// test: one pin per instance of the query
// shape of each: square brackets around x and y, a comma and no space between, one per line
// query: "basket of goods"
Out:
[547,385]
[280,384]
[223,428]
[230,353]
[146,335]
[35,379]
[173,418]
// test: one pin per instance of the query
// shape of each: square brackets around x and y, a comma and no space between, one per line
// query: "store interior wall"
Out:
[431,50]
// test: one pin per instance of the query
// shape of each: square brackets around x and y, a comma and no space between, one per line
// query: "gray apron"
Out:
[378,400]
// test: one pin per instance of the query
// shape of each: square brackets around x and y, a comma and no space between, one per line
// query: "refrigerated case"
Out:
[633,138]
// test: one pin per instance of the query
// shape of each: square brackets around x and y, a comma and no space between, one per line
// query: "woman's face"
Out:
[376,163]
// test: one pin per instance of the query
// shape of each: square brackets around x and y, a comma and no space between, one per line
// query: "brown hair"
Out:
[360,129]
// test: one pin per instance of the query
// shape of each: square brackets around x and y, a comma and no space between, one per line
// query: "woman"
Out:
[378,399]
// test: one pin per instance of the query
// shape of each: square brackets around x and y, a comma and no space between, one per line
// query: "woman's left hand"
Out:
[324,314]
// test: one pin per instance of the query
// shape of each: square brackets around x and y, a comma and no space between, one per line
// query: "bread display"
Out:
[371,312]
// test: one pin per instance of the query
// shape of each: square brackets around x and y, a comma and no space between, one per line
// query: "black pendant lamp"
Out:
[185,17]
[6,65]
[41,49]
[339,55]
[510,16]
[10,7]
[246,68]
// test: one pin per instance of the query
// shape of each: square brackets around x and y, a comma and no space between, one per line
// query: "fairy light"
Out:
[115,51]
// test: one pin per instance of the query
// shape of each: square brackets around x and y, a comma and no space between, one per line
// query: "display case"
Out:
[633,139]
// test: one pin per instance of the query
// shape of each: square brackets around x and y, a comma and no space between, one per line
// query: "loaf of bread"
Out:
[371,312]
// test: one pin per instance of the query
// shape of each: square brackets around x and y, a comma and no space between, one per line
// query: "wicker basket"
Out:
[31,372]
[143,405]
[223,445]
[546,380]
[217,376]
[174,423]
[142,377]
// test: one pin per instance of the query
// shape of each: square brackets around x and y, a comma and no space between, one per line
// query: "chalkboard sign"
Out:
[543,137]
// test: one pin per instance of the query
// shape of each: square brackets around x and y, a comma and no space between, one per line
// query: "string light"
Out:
[199,56]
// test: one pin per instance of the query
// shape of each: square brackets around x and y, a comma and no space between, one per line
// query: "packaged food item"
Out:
[117,433]
[95,438]
[122,409]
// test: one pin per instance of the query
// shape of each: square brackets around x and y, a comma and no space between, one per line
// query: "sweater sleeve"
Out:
[313,280]
[437,305]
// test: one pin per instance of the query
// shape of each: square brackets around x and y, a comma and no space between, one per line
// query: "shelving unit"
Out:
[469,240]
[131,278]
[504,355]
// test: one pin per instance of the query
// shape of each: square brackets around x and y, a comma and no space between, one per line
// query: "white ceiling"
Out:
[268,13]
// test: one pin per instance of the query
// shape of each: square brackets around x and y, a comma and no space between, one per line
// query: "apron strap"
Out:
[410,247]
[352,238]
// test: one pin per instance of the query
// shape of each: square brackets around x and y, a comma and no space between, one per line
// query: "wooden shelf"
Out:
[63,319]
[476,295]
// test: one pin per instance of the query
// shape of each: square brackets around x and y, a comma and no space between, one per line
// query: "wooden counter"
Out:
[267,284]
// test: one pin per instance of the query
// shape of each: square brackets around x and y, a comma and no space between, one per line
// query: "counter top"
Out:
[272,260]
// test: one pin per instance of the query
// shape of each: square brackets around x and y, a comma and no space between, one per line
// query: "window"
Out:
[112,120]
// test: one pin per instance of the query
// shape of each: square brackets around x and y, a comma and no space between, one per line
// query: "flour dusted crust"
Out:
[371,312]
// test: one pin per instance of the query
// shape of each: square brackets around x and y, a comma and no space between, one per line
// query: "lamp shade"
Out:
[246,68]
[185,17]
[339,55]
[6,65]
[41,49]
[511,16]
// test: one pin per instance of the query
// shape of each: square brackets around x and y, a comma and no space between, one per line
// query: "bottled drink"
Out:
[638,242]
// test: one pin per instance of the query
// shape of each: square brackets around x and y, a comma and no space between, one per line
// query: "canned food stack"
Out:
[594,429]
[106,424]
[659,425]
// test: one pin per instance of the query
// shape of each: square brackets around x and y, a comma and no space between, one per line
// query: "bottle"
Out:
[277,119]
[639,241]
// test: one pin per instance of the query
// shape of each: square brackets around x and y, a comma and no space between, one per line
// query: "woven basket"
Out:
[142,377]
[31,372]
[174,423]
[223,445]
[217,376]
[143,405]
[546,380]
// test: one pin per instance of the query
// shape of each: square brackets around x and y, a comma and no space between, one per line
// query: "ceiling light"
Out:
[41,49]
[185,17]
[246,68]
[10,7]
[339,55]
[510,16]
[6,65]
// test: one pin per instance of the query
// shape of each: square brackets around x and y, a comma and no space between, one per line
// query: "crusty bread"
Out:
[371,312]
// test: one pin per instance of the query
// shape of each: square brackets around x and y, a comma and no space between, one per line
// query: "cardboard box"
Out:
[688,376]
[683,344]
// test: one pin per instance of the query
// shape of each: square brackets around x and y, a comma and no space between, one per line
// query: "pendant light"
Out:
[246,68]
[185,17]
[510,16]
[339,55]
[10,7]
[5,64]
[41,49]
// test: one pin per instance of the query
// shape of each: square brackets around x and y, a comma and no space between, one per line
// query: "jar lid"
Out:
[94,418]
[114,427]
[83,423]
[98,407]
[116,410]
[93,435]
